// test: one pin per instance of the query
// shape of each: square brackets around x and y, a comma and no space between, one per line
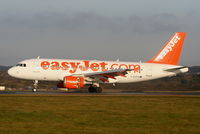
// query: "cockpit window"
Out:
[21,65]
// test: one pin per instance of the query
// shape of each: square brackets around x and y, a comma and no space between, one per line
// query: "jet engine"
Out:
[72,82]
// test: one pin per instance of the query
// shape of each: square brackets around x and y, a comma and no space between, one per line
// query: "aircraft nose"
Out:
[12,72]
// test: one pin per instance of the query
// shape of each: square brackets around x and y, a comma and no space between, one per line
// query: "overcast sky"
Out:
[131,30]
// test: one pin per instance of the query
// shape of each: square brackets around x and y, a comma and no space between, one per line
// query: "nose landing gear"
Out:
[35,84]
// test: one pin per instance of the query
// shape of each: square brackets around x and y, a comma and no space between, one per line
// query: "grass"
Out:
[99,115]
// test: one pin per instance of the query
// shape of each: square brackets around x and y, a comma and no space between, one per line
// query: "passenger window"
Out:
[21,65]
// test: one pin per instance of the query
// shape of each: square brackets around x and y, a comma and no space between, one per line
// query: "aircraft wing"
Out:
[105,75]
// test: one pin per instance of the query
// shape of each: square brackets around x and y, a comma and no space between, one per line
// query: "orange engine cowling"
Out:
[74,82]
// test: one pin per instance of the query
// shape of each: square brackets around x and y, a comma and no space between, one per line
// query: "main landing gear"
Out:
[94,89]
[35,84]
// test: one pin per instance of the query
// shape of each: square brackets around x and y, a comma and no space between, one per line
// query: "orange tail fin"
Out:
[170,53]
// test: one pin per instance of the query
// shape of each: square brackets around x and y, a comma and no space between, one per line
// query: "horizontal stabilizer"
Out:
[176,69]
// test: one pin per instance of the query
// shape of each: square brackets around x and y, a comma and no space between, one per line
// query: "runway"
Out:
[167,93]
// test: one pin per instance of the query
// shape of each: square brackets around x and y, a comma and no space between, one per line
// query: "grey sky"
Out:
[131,30]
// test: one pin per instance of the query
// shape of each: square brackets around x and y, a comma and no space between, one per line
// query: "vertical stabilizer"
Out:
[171,52]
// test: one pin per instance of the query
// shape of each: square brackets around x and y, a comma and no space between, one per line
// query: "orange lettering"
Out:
[137,68]
[112,66]
[65,66]
[74,67]
[55,65]
[103,66]
[85,68]
[45,65]
[123,66]
[94,66]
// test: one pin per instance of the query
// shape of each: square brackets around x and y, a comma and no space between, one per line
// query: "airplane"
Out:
[76,74]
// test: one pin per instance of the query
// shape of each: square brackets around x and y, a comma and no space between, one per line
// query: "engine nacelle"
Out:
[73,82]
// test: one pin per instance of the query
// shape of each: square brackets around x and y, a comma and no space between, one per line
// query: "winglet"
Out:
[170,53]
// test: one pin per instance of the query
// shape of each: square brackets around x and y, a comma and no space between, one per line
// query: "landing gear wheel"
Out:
[98,89]
[91,89]
[94,89]
[35,84]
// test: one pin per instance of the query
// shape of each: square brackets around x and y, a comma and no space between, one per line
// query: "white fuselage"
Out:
[57,69]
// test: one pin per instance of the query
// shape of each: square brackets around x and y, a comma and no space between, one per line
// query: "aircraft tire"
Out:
[98,89]
[91,89]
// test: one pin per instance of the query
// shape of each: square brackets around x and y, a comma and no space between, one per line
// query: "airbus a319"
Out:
[75,74]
